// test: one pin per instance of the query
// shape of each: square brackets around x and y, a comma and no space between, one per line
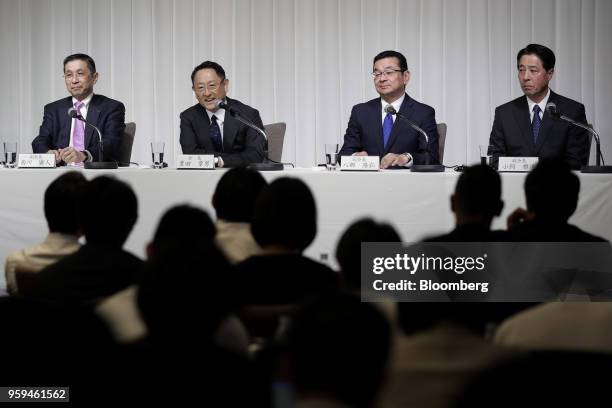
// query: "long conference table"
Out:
[417,204]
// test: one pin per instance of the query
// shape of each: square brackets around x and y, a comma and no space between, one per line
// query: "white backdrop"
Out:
[305,62]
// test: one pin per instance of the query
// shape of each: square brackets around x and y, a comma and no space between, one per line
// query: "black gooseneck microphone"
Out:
[421,168]
[600,166]
[101,164]
[267,164]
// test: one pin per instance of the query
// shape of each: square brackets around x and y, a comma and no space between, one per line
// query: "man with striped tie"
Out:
[525,128]
[68,138]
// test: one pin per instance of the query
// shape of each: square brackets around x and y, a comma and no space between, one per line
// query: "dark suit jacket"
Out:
[511,134]
[241,144]
[471,233]
[364,131]
[533,231]
[91,273]
[105,113]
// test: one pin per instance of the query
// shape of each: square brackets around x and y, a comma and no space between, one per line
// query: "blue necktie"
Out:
[215,134]
[387,126]
[535,124]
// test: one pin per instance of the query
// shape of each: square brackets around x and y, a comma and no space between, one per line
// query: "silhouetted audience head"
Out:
[285,215]
[108,211]
[179,226]
[551,191]
[338,349]
[348,251]
[477,196]
[236,193]
[62,198]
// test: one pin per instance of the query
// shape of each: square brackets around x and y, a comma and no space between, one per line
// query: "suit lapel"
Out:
[522,117]
[65,123]
[230,129]
[406,110]
[375,112]
[93,114]
[547,123]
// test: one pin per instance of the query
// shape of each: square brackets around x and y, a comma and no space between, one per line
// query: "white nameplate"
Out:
[195,161]
[360,163]
[519,164]
[36,161]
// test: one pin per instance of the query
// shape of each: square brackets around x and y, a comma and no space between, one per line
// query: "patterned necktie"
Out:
[78,135]
[535,124]
[215,134]
[387,126]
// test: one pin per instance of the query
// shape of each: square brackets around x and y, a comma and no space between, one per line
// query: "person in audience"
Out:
[207,128]
[60,206]
[234,202]
[525,127]
[375,132]
[551,192]
[284,224]
[107,214]
[562,326]
[441,348]
[338,350]
[475,202]
[348,251]
[69,139]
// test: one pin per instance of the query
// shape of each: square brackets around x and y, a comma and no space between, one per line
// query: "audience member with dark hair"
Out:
[348,251]
[338,351]
[234,202]
[476,201]
[107,213]
[284,225]
[551,192]
[60,205]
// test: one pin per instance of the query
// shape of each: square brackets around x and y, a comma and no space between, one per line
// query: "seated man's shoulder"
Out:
[192,111]
[109,102]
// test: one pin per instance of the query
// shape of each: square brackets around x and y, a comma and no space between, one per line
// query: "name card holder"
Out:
[360,163]
[36,161]
[195,162]
[517,164]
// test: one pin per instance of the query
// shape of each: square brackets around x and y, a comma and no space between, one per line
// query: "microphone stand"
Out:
[598,168]
[267,164]
[101,164]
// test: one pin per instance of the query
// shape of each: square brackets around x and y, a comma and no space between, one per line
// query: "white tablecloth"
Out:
[417,204]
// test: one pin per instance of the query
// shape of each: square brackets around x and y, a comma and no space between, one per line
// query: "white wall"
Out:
[305,62]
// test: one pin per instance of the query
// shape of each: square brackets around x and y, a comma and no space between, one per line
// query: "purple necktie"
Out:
[78,137]
[536,123]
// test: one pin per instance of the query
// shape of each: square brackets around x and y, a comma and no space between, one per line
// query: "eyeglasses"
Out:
[211,87]
[78,75]
[387,73]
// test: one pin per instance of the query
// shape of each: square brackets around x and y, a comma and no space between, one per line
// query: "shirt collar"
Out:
[542,103]
[220,114]
[397,104]
[84,101]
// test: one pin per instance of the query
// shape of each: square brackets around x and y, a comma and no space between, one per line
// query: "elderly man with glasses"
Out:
[207,128]
[381,127]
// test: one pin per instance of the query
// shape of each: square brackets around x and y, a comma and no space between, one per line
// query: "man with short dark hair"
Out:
[70,140]
[551,192]
[61,200]
[372,131]
[234,202]
[208,129]
[100,268]
[524,127]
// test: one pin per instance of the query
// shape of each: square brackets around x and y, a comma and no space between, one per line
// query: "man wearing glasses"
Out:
[374,131]
[69,139]
[208,129]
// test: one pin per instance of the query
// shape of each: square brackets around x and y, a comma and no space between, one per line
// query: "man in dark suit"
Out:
[518,131]
[69,139]
[372,131]
[208,129]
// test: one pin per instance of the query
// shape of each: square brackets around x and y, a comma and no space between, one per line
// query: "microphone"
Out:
[429,168]
[551,108]
[101,164]
[267,164]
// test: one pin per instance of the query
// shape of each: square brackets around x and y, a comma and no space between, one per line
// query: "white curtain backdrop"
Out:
[304,62]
